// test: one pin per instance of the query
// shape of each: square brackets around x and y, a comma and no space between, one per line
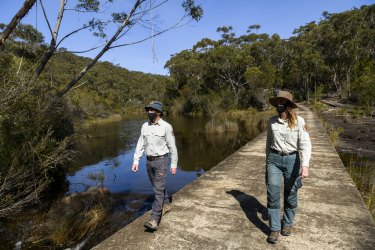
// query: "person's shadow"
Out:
[251,206]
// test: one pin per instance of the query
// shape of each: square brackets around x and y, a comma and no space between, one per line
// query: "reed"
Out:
[333,133]
[319,107]
[219,127]
[363,175]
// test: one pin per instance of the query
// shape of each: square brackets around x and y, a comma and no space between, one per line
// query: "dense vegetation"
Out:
[335,55]
[105,90]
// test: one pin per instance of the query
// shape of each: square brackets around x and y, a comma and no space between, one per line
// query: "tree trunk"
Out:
[102,52]
[16,19]
[52,46]
[336,82]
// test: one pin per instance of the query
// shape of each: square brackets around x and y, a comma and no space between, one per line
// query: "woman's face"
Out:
[281,106]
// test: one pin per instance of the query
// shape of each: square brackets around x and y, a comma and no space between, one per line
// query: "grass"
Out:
[319,107]
[362,172]
[219,127]
[229,121]
[91,121]
[73,219]
[333,133]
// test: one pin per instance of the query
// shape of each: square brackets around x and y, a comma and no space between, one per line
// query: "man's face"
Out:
[153,114]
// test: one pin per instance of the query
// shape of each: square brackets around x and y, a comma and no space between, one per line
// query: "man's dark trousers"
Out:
[157,170]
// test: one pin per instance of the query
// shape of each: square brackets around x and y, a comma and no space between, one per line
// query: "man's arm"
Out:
[138,152]
[171,143]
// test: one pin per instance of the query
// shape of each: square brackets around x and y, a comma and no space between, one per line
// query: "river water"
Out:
[104,158]
[108,150]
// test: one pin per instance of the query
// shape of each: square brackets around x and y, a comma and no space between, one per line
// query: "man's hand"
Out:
[305,172]
[173,171]
[135,167]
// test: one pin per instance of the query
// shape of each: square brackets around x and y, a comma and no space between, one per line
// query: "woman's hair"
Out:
[292,117]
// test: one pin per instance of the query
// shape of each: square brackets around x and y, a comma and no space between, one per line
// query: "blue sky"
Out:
[274,16]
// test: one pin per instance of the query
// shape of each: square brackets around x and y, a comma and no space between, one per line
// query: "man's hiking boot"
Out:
[166,209]
[272,238]
[151,224]
[286,231]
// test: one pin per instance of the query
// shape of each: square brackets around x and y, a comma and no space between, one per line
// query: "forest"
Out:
[334,56]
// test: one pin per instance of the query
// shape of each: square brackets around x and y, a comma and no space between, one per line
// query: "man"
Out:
[158,140]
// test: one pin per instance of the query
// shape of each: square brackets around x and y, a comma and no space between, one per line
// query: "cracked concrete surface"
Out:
[226,207]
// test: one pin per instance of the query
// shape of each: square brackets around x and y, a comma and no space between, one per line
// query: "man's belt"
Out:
[152,158]
[283,153]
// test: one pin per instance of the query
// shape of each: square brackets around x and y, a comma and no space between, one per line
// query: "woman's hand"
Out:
[305,172]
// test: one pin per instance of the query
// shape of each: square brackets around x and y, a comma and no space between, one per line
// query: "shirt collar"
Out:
[281,120]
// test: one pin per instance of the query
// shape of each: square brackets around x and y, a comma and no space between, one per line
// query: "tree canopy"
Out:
[336,55]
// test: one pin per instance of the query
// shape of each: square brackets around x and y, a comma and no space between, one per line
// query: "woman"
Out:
[287,139]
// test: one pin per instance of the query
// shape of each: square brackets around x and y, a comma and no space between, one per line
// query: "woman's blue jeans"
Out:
[279,167]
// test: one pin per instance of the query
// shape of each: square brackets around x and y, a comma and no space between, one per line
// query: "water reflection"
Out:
[108,149]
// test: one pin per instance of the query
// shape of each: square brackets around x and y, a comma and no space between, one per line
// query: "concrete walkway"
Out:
[226,207]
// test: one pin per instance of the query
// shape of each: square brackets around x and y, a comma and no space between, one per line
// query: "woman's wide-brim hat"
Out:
[155,105]
[282,95]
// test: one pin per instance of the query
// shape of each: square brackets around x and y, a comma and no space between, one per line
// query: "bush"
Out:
[318,107]
[333,133]
[34,130]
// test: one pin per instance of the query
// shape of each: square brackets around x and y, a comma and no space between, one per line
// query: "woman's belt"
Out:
[282,153]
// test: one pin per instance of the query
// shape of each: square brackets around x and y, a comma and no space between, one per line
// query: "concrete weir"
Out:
[226,207]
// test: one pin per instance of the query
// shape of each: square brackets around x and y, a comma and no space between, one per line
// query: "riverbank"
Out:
[352,132]
[358,128]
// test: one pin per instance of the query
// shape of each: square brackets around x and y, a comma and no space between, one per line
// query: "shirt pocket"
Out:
[292,134]
[159,137]
[147,136]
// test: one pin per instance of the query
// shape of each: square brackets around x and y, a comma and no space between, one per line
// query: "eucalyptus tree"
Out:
[305,66]
[188,71]
[340,39]
[227,65]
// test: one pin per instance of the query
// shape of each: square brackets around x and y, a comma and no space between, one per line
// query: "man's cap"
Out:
[155,105]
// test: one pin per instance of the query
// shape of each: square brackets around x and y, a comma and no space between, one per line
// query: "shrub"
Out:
[34,130]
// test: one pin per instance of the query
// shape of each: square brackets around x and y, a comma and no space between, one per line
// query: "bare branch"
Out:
[83,51]
[52,47]
[75,31]
[45,17]
[149,37]
[152,8]
[85,11]
[80,85]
